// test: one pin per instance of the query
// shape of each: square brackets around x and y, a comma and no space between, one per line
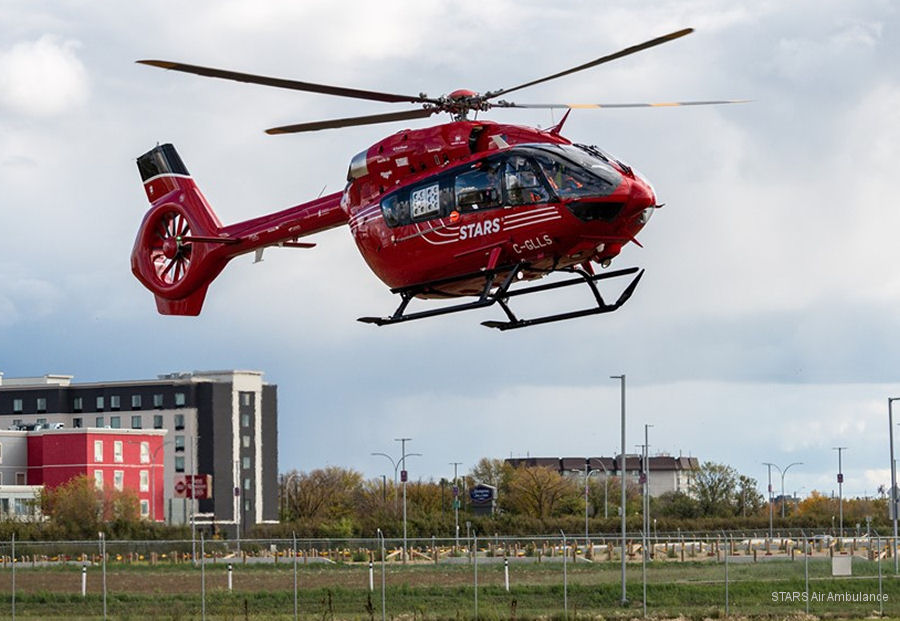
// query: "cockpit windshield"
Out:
[574,173]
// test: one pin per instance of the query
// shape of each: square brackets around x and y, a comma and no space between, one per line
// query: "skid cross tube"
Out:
[500,294]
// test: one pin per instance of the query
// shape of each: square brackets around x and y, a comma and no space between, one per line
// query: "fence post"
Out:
[84,581]
[566,577]
[229,577]
[371,576]
[727,603]
[806,566]
[294,536]
[14,576]
[202,577]
[475,563]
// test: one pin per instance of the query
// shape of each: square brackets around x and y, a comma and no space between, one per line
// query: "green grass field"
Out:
[425,591]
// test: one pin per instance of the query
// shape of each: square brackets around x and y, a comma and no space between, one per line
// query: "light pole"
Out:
[840,480]
[893,511]
[403,477]
[456,501]
[621,379]
[769,466]
[646,483]
[153,477]
[782,472]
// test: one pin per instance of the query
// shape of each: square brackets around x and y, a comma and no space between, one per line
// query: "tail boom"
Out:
[182,246]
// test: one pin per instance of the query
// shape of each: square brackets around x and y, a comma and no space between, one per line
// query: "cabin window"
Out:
[478,189]
[395,208]
[523,185]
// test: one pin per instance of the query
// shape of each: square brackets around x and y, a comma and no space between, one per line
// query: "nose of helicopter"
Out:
[642,202]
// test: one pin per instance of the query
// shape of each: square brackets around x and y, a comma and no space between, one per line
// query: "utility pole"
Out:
[403,478]
[456,502]
[893,511]
[646,482]
[840,480]
[769,466]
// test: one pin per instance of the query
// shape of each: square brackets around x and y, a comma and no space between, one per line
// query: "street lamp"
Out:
[621,379]
[782,472]
[153,477]
[840,480]
[396,464]
[456,501]
[588,471]
[893,511]
[403,478]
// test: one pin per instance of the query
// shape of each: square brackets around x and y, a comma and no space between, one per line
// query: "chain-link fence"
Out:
[487,577]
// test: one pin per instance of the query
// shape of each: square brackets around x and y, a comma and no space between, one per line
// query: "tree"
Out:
[676,505]
[324,493]
[749,500]
[541,492]
[494,472]
[715,487]
[80,510]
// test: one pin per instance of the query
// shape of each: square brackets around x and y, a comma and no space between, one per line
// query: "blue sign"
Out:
[481,493]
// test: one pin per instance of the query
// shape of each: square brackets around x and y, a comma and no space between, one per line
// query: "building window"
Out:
[246,506]
[145,481]
[246,398]
[245,462]
[99,421]
[136,422]
[77,403]
[245,440]
[98,451]
[145,508]
[98,479]
[41,404]
[115,402]
[17,422]
[135,402]
[145,452]
[115,422]
[179,422]
[77,422]
[20,478]
[117,451]
[41,422]
[157,421]
[17,406]
[119,479]
[179,399]
[179,443]
[100,402]
[245,420]
[157,401]
[179,463]
[247,484]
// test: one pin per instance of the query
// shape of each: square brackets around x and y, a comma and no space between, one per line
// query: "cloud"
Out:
[42,78]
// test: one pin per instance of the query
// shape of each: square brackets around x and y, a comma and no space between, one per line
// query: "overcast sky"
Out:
[765,329]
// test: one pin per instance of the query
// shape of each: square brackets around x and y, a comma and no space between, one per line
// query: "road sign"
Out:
[840,477]
[403,476]
[194,486]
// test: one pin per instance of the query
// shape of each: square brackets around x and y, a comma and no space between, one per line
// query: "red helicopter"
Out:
[469,208]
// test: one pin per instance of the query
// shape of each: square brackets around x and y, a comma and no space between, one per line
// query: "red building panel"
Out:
[119,458]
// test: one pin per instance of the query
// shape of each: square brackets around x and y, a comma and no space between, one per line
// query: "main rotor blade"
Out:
[603,59]
[664,104]
[356,120]
[311,87]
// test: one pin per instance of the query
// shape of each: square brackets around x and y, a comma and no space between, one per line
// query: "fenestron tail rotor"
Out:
[459,103]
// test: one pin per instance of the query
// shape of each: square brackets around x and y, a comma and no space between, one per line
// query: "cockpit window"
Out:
[569,175]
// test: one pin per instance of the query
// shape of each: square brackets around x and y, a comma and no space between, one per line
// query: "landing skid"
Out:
[500,294]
